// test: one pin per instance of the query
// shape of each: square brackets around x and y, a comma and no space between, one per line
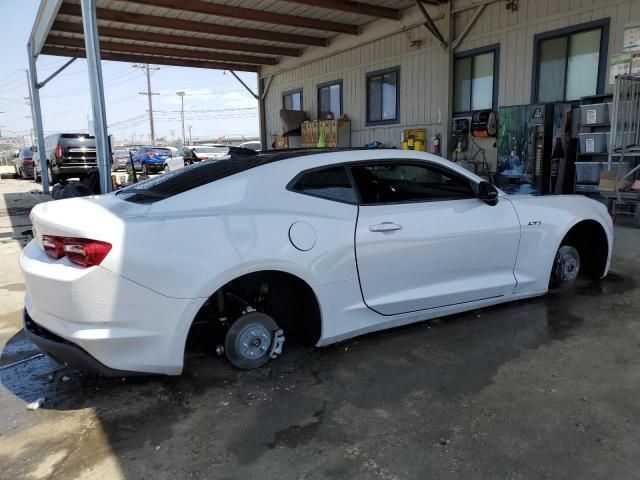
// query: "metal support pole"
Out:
[37,112]
[92,48]
[262,114]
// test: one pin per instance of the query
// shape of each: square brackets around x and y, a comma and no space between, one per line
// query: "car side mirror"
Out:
[488,193]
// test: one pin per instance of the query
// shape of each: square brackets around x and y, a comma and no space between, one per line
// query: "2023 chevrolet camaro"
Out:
[316,246]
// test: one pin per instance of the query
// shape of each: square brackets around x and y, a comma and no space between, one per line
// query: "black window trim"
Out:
[292,183]
[391,121]
[603,24]
[495,48]
[421,163]
[329,84]
[291,92]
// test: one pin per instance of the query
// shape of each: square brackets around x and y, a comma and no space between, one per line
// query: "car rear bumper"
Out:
[99,316]
[74,169]
[66,352]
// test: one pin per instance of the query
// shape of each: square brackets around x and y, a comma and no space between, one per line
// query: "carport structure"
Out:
[233,35]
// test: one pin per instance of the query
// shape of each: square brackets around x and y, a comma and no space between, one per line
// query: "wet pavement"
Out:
[545,388]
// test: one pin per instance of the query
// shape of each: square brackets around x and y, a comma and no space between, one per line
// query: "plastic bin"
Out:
[594,142]
[589,172]
[594,114]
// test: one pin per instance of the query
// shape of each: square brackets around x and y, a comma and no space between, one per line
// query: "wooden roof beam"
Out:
[255,15]
[188,41]
[132,58]
[197,27]
[135,48]
[352,7]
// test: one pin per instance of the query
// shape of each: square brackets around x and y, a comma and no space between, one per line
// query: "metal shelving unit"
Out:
[624,145]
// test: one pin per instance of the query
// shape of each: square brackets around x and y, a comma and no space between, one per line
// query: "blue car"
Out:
[150,159]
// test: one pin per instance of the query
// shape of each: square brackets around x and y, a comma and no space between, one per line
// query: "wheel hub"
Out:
[253,341]
[567,265]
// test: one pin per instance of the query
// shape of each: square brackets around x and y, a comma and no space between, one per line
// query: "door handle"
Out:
[384,227]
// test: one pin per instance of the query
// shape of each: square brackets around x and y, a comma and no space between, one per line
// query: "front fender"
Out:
[545,221]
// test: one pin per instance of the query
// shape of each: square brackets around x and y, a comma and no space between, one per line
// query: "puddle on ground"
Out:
[612,284]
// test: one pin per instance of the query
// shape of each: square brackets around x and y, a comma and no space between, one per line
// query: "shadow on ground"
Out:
[372,407]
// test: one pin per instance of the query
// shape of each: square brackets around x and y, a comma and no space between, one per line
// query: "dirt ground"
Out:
[546,388]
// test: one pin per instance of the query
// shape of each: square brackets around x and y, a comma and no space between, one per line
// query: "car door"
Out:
[175,161]
[425,240]
[137,158]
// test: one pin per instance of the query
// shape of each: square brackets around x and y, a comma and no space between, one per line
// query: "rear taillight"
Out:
[58,153]
[81,251]
[151,154]
[84,252]
[27,161]
[53,246]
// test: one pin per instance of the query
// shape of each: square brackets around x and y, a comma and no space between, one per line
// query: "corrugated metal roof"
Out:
[231,34]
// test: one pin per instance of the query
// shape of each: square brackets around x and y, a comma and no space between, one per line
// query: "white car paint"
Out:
[133,311]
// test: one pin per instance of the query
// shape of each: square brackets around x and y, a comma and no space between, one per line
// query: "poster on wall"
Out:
[620,65]
[631,38]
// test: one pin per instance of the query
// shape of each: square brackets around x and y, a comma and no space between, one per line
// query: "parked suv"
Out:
[23,163]
[68,155]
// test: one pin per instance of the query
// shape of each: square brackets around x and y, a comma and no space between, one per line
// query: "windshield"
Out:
[160,151]
[208,150]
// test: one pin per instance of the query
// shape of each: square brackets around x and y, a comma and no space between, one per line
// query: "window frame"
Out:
[405,161]
[325,85]
[602,24]
[376,73]
[292,183]
[292,92]
[495,48]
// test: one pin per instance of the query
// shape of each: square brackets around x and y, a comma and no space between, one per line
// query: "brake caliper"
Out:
[276,344]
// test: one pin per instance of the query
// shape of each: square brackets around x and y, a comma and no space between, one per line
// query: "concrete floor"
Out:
[546,388]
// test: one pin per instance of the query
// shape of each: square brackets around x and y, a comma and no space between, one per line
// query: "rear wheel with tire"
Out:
[166,169]
[145,169]
[566,267]
[53,178]
[253,340]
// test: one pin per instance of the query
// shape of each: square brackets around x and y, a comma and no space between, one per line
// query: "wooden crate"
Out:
[281,142]
[309,134]
[337,133]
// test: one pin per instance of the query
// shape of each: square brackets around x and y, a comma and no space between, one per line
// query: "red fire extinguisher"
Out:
[436,144]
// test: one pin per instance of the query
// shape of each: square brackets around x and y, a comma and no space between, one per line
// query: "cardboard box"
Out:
[608,183]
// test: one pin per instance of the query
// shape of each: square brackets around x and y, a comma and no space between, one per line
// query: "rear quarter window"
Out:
[331,183]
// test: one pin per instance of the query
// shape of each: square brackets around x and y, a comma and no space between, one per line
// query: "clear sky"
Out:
[215,103]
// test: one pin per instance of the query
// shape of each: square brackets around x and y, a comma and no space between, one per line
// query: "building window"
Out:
[292,100]
[570,63]
[475,80]
[383,96]
[330,99]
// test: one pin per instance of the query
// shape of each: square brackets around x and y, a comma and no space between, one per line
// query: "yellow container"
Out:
[418,145]
[405,146]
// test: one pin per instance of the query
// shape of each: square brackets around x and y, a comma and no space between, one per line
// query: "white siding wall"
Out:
[424,81]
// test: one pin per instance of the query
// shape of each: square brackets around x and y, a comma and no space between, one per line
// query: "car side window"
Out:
[401,182]
[331,183]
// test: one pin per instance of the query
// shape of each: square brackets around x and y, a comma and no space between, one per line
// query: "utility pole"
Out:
[149,95]
[33,115]
[190,141]
[181,95]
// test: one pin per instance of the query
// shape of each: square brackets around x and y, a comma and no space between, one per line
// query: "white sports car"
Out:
[316,246]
